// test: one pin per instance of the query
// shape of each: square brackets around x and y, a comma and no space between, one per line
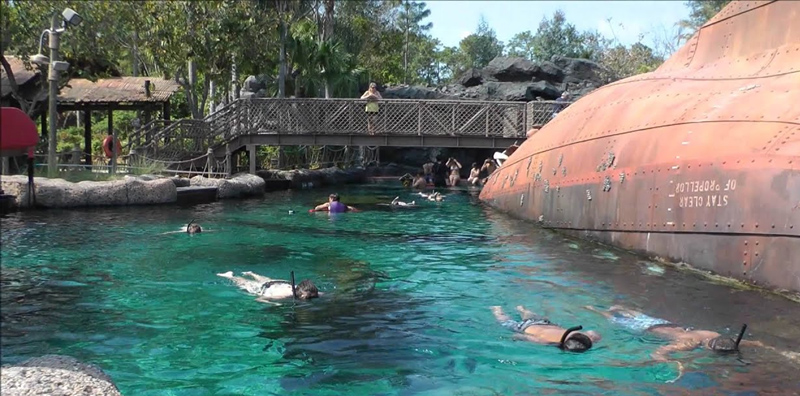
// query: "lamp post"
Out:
[68,17]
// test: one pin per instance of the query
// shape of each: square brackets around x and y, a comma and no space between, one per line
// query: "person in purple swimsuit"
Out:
[333,206]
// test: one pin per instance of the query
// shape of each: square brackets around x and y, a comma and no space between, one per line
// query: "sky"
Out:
[454,20]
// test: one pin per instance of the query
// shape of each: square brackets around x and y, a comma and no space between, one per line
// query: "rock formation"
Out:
[504,78]
[514,79]
[305,178]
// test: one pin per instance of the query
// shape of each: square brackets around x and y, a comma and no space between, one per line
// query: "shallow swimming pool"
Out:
[405,309]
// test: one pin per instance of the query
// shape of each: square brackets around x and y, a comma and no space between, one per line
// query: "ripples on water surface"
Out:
[405,310]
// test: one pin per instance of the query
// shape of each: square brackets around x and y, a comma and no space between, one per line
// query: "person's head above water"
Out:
[307,290]
[574,341]
[726,344]
[333,197]
[193,228]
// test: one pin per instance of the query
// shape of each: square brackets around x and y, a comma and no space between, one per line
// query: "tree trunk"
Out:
[405,52]
[327,36]
[282,54]
[212,88]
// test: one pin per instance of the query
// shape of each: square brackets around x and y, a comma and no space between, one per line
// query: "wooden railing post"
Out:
[488,110]
[419,118]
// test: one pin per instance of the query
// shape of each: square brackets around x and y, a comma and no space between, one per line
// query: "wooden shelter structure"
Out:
[145,94]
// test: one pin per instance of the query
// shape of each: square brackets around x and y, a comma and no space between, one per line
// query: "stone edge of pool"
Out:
[56,374]
[153,189]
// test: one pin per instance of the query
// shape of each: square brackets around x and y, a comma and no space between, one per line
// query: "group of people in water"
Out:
[531,327]
[448,174]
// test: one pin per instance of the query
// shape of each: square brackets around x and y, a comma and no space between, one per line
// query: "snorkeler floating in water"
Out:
[434,196]
[397,202]
[540,330]
[333,206]
[272,289]
[683,339]
[193,228]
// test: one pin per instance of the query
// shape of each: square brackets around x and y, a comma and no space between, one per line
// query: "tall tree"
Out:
[479,48]
[700,11]
[556,37]
[521,45]
[410,20]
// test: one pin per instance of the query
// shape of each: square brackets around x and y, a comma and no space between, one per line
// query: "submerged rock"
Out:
[55,375]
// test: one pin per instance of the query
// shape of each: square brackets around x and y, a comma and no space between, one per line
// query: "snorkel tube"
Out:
[739,339]
[294,291]
[566,333]
[188,225]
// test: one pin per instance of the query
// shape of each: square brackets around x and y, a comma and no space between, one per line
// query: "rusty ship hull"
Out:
[697,162]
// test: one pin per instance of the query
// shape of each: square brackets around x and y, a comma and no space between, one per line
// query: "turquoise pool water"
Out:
[405,309]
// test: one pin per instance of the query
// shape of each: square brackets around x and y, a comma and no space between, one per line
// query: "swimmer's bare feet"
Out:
[498,313]
[228,274]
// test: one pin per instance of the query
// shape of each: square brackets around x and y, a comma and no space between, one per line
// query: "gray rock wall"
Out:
[305,178]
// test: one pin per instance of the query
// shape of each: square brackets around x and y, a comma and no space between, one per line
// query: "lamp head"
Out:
[61,66]
[40,60]
[71,17]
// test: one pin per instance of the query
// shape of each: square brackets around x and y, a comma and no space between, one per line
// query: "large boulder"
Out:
[239,186]
[542,89]
[581,70]
[55,375]
[510,69]
[548,71]
[113,192]
[471,78]
[159,191]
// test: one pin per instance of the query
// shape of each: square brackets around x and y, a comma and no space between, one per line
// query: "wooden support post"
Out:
[113,134]
[44,125]
[252,148]
[228,164]
[87,137]
[165,110]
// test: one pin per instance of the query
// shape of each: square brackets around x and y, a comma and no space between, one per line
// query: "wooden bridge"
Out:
[248,123]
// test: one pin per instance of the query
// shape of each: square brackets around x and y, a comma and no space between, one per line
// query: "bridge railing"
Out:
[394,116]
[540,112]
[347,117]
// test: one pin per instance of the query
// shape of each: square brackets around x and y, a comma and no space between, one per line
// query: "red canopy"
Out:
[17,132]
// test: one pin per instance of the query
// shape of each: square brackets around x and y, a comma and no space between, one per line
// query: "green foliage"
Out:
[479,48]
[386,41]
[700,11]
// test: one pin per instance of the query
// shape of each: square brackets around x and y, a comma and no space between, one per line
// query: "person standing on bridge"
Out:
[372,96]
